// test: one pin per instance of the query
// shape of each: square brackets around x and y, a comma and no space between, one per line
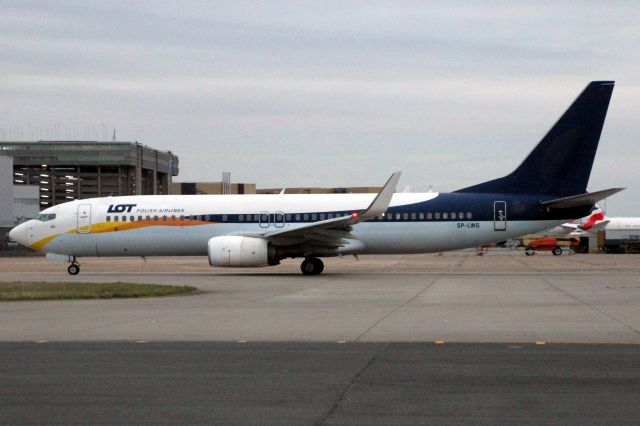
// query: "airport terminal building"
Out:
[68,170]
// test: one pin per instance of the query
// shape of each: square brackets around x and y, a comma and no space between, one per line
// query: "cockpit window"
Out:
[46,217]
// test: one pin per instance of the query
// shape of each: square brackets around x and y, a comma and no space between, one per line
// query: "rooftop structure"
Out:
[68,170]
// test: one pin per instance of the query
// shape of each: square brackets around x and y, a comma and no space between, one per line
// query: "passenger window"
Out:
[139,218]
[445,216]
[421,216]
[429,216]
[297,218]
[390,216]
[108,218]
[469,216]
[255,218]
[181,217]
[132,218]
[155,218]
[173,218]
[413,216]
[453,215]
[164,218]
[224,217]
[124,218]
[405,216]
[322,216]
[437,215]
[397,216]
[330,215]
[241,218]
[288,218]
[314,217]
[148,218]
[306,217]
[460,215]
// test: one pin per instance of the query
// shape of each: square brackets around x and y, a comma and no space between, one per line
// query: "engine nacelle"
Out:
[237,251]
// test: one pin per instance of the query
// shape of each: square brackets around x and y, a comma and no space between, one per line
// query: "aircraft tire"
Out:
[557,251]
[73,269]
[312,266]
[529,251]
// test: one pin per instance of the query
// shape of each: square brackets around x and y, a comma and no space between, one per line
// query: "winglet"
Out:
[380,204]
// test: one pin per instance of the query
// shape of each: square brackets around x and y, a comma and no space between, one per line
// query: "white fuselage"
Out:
[182,225]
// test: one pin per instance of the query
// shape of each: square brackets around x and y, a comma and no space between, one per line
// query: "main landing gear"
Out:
[74,268]
[312,266]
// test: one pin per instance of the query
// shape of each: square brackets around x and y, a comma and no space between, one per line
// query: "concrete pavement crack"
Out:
[428,286]
[611,317]
[351,384]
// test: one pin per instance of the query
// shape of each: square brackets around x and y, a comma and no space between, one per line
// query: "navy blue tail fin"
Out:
[561,163]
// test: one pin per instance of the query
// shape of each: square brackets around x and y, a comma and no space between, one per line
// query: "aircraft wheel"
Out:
[73,269]
[529,252]
[312,266]
[557,251]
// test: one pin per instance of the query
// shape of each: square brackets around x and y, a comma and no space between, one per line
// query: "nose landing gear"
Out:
[312,266]
[74,268]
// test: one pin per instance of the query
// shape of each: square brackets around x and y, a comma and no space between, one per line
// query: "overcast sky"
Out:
[325,93]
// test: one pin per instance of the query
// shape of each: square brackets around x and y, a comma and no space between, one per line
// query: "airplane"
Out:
[597,220]
[547,189]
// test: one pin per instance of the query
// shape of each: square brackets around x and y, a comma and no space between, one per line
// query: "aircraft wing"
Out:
[334,232]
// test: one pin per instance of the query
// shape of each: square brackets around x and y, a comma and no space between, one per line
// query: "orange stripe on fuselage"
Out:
[102,227]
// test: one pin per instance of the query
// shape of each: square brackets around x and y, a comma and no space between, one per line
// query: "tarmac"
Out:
[451,338]
[456,297]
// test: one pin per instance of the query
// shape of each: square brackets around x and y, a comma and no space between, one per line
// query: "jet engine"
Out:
[237,251]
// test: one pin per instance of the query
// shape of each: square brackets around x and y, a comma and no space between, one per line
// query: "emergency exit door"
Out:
[499,215]
[84,219]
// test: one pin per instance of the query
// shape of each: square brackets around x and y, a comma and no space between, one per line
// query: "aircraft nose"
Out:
[19,234]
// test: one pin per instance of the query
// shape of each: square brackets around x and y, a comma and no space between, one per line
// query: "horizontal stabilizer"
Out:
[581,200]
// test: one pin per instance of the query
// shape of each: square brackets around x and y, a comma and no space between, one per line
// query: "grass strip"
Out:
[14,291]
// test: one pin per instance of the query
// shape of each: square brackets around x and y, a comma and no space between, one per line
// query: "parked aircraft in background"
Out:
[547,189]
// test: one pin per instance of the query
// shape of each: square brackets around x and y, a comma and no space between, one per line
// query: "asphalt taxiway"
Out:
[318,383]
[428,339]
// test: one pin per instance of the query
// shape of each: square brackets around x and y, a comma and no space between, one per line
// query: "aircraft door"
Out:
[84,219]
[265,219]
[499,215]
[278,219]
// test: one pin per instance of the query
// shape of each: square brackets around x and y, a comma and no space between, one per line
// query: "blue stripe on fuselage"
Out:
[481,206]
